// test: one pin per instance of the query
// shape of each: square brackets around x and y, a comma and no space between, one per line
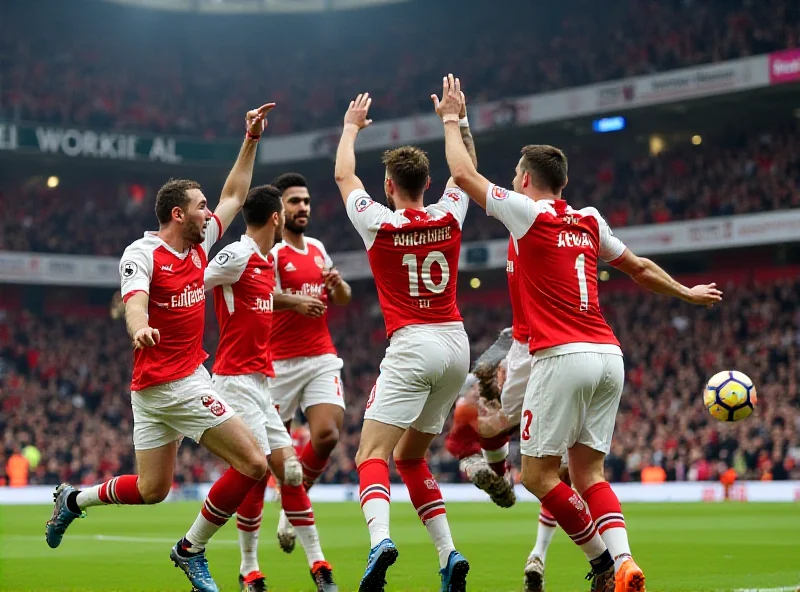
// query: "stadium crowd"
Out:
[65,409]
[184,74]
[756,173]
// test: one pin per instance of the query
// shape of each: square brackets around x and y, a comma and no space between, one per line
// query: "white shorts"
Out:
[571,398]
[421,376]
[249,396]
[518,372]
[305,382]
[186,407]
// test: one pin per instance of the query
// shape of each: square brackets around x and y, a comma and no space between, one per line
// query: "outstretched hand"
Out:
[705,295]
[256,119]
[358,111]
[452,103]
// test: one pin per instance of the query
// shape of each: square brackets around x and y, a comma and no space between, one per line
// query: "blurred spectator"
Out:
[102,66]
[734,175]
[17,469]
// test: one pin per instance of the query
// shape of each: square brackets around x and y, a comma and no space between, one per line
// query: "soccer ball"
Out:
[730,396]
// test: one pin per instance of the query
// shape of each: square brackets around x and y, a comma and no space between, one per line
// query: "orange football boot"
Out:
[629,578]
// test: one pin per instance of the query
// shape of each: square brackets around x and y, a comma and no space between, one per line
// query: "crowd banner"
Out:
[620,95]
[631,93]
[784,66]
[684,491]
[746,230]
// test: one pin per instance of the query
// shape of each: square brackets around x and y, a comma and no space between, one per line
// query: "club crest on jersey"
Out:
[319,261]
[129,268]
[362,203]
[499,192]
[213,405]
[196,259]
[573,239]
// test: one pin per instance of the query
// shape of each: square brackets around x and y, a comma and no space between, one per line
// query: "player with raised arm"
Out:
[171,392]
[577,373]
[242,276]
[307,367]
[413,251]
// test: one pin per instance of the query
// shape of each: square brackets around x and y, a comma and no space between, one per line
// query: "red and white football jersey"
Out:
[174,282]
[558,249]
[300,272]
[243,281]
[519,326]
[414,257]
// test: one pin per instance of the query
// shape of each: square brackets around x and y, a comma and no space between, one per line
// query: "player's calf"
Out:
[495,451]
[325,423]
[248,524]
[540,477]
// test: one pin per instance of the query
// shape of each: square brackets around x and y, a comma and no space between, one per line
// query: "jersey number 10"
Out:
[410,260]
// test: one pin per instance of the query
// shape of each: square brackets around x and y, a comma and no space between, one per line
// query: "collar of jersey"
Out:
[252,244]
[293,248]
[151,235]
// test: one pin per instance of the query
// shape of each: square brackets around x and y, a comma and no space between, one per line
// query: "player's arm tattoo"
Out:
[469,144]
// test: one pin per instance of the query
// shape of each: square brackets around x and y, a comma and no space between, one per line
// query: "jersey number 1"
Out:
[410,260]
[580,268]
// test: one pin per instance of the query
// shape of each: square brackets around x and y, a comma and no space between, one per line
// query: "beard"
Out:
[293,227]
[390,203]
[194,235]
[278,235]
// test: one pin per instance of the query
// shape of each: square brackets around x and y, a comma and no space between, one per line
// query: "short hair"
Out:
[408,167]
[286,180]
[260,204]
[173,194]
[546,164]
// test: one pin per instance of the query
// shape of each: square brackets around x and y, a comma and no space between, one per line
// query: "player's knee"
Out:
[254,466]
[326,438]
[539,483]
[153,493]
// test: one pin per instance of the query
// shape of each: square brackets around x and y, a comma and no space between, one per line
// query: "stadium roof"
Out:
[251,6]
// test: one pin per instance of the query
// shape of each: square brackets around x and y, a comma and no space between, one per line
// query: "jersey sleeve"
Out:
[226,268]
[214,232]
[274,254]
[135,271]
[516,211]
[455,201]
[611,248]
[366,215]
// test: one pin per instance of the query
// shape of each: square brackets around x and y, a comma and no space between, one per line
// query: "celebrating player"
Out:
[171,392]
[413,252]
[307,368]
[494,391]
[577,374]
[243,279]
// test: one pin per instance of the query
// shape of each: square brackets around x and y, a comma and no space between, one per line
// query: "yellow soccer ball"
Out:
[730,396]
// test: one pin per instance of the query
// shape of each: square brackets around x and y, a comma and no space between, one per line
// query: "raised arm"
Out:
[354,121]
[466,137]
[237,184]
[462,165]
[649,275]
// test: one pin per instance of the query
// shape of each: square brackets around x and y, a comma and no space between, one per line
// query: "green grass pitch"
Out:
[686,547]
